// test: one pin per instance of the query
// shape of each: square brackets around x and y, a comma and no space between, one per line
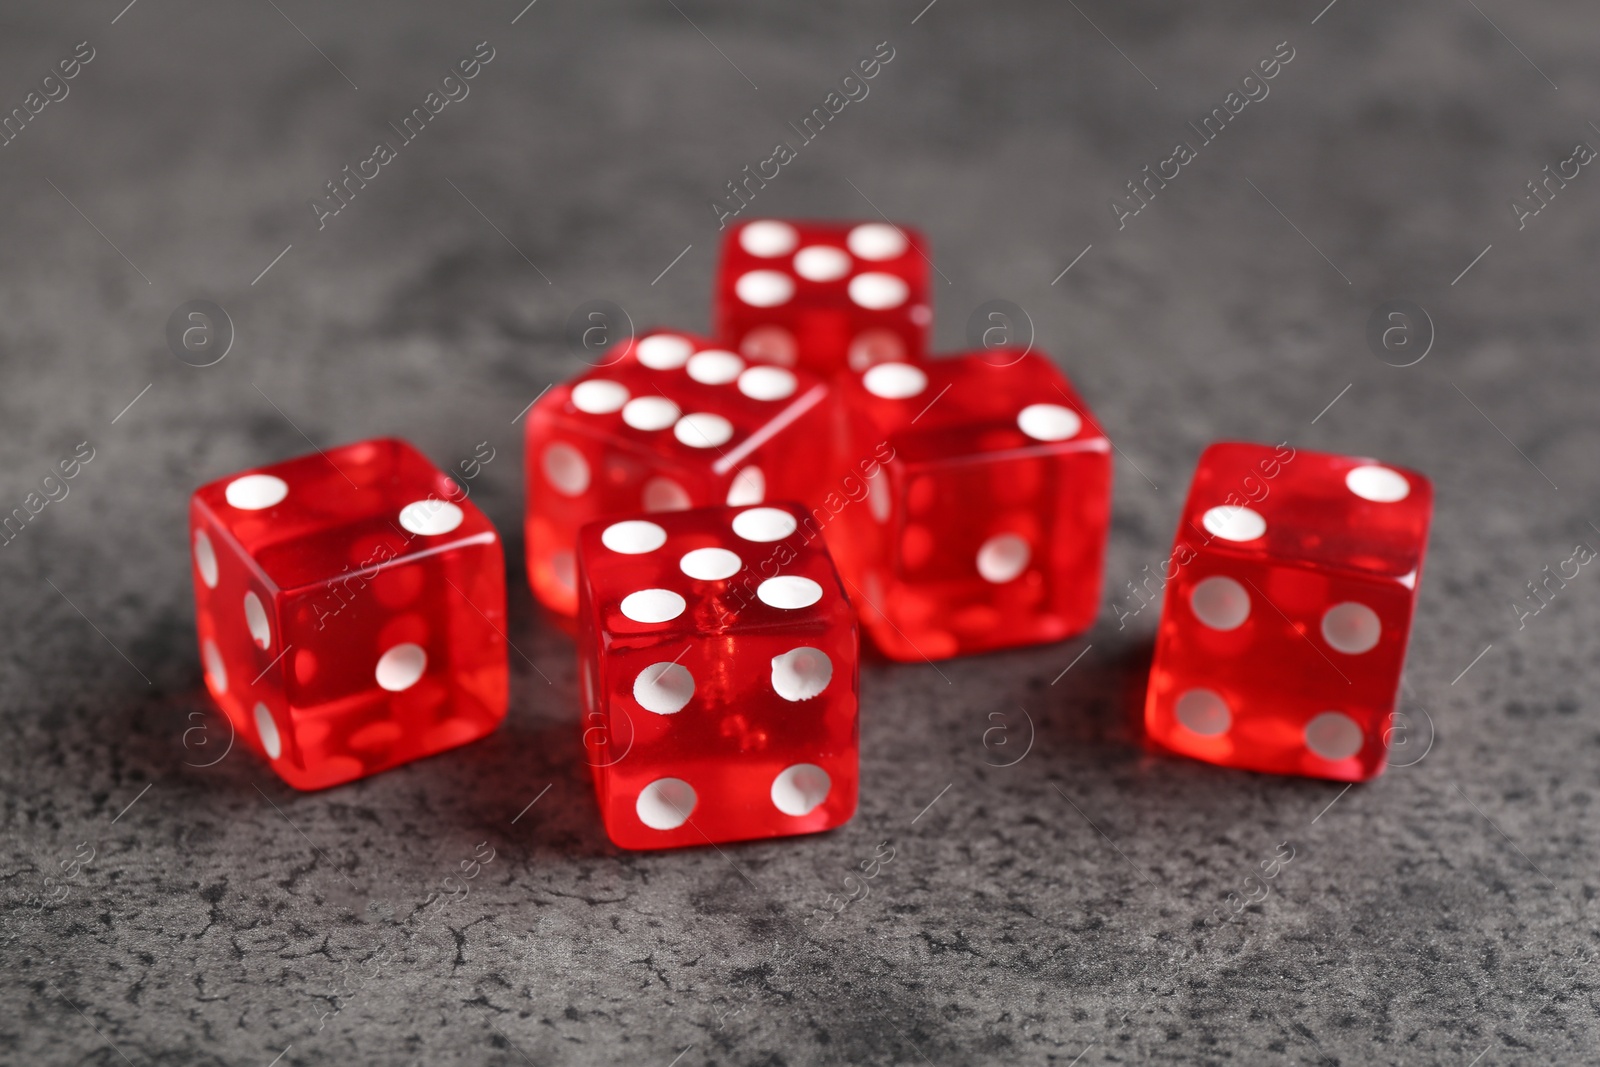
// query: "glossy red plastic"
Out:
[718,666]
[1289,598]
[824,295]
[668,422]
[985,504]
[350,608]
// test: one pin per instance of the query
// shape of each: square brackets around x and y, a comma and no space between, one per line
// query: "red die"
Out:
[670,422]
[349,607]
[718,659]
[1285,624]
[824,295]
[986,525]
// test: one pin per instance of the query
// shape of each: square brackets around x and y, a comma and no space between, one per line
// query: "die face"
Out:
[311,519]
[824,295]
[1010,393]
[718,658]
[987,526]
[240,633]
[345,631]
[1288,662]
[410,663]
[1281,669]
[1342,512]
[669,422]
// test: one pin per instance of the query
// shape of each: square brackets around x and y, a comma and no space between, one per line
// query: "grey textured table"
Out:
[165,906]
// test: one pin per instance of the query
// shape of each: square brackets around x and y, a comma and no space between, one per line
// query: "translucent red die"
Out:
[824,295]
[718,666]
[668,422]
[1289,598]
[350,608]
[983,522]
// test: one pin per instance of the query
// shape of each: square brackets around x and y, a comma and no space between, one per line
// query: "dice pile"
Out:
[716,517]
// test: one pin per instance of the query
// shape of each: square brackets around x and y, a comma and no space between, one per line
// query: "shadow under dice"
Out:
[985,527]
[669,422]
[718,664]
[1293,580]
[824,295]
[350,608]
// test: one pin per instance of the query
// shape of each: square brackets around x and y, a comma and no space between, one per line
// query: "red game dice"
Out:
[718,661]
[984,525]
[350,608]
[1291,587]
[824,295]
[669,422]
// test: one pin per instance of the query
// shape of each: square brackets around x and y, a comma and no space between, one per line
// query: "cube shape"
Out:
[668,422]
[1289,598]
[350,608]
[824,295]
[718,663]
[984,518]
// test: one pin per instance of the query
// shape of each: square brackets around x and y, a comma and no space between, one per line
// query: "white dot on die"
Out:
[1234,523]
[1333,735]
[564,569]
[876,240]
[801,673]
[664,494]
[770,344]
[599,397]
[400,668]
[1220,603]
[877,292]
[653,605]
[664,688]
[764,288]
[256,491]
[665,804]
[894,381]
[820,263]
[798,790]
[789,591]
[1378,484]
[1049,422]
[878,496]
[633,537]
[205,558]
[1203,712]
[703,430]
[710,564]
[1351,628]
[767,383]
[875,346]
[768,238]
[255,617]
[1003,557]
[764,524]
[566,469]
[650,413]
[749,486]
[664,351]
[714,367]
[267,730]
[429,518]
[214,666]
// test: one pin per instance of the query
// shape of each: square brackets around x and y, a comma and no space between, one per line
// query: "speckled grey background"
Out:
[1082,905]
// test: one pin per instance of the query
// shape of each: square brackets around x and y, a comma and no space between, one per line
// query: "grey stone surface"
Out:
[1067,909]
